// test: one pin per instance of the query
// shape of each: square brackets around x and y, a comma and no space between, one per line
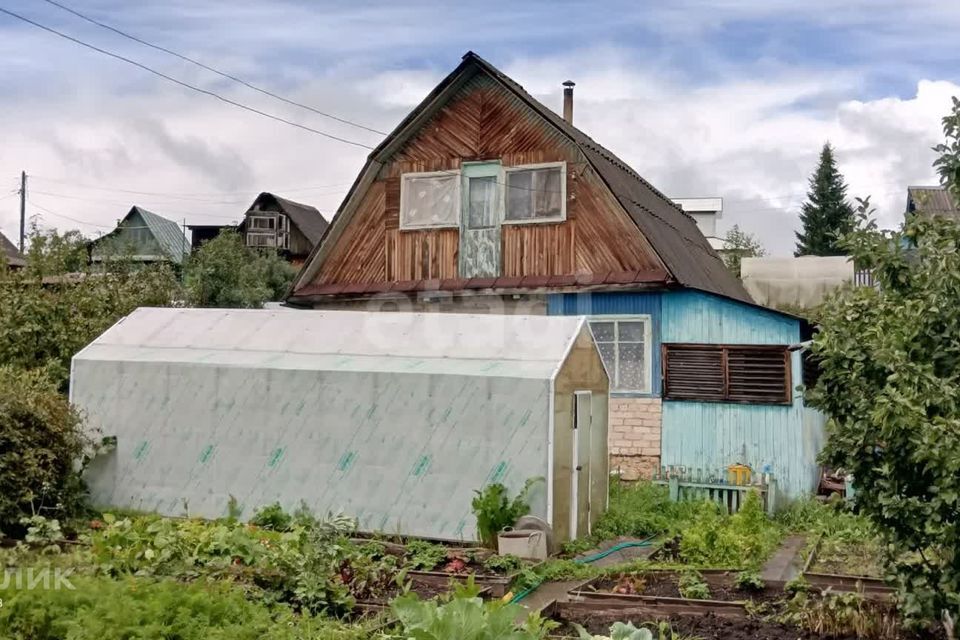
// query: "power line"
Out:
[182,83]
[198,195]
[212,69]
[60,215]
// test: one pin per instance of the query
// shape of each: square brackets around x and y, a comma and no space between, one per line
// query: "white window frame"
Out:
[563,192]
[251,220]
[453,173]
[647,350]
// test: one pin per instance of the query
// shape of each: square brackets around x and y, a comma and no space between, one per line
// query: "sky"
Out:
[706,98]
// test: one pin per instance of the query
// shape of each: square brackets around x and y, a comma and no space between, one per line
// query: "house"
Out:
[394,418]
[483,200]
[142,236]
[705,212]
[11,255]
[201,233]
[933,201]
[293,229]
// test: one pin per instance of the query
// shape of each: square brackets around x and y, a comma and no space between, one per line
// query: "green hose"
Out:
[646,542]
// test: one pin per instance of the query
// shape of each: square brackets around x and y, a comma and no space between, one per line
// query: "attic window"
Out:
[430,200]
[536,193]
[754,374]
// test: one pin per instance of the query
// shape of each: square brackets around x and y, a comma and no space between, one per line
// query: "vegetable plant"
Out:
[425,555]
[749,581]
[691,585]
[494,509]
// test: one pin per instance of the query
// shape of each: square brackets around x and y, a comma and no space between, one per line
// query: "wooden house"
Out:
[142,236]
[484,200]
[12,258]
[292,228]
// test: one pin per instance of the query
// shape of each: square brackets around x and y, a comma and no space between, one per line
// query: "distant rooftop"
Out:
[934,201]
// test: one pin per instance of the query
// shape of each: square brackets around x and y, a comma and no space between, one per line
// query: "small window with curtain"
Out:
[482,196]
[624,346]
[755,374]
[536,193]
[430,200]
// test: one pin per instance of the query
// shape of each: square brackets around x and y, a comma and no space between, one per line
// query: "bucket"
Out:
[528,544]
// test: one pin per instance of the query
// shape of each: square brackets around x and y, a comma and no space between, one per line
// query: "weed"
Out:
[505,564]
[841,614]
[273,518]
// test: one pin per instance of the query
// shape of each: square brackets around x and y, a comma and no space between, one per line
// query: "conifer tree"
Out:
[826,215]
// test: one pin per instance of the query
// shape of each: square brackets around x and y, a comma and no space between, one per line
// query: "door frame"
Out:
[578,433]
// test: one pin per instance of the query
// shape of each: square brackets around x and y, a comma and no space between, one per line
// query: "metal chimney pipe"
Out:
[568,100]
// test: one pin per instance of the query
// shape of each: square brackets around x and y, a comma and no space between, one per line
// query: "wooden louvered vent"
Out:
[726,373]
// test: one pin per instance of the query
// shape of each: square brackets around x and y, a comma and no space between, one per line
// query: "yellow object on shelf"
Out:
[738,474]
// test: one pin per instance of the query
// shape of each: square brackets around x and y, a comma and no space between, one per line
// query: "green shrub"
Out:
[107,609]
[40,442]
[640,510]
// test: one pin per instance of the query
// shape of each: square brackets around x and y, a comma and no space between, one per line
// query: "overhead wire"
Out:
[211,69]
[186,85]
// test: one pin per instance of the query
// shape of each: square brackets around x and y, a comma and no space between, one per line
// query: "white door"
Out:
[580,479]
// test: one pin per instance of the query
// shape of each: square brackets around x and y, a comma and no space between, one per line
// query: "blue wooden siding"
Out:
[616,303]
[713,435]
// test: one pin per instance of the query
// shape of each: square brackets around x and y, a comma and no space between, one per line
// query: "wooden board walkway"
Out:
[786,563]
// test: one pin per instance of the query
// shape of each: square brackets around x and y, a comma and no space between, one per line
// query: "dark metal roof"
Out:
[308,219]
[934,201]
[10,252]
[674,235]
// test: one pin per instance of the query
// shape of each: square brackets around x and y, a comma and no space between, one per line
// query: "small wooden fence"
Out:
[727,489]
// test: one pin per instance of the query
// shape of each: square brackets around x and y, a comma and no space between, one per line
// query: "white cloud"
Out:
[751,137]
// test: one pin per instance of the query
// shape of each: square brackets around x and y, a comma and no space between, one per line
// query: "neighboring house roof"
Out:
[935,201]
[673,234]
[13,256]
[307,219]
[168,234]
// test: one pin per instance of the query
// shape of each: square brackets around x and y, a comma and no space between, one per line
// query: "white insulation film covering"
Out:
[430,201]
[392,418]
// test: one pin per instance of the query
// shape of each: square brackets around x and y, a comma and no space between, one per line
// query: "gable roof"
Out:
[11,253]
[167,233]
[308,219]
[673,234]
[934,201]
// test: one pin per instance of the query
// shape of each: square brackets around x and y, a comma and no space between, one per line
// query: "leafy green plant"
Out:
[744,539]
[503,564]
[110,609]
[619,631]
[272,517]
[494,510]
[425,555]
[41,441]
[42,531]
[749,581]
[841,615]
[691,585]
[797,585]
[466,617]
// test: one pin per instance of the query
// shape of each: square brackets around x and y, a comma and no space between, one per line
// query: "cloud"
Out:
[663,87]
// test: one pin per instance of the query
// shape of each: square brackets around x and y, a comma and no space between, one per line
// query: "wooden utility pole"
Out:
[23,207]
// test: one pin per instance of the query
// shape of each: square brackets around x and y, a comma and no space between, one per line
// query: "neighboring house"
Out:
[705,212]
[142,236]
[200,233]
[485,200]
[293,229]
[13,257]
[933,201]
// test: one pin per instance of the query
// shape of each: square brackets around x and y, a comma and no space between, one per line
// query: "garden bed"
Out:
[845,566]
[714,586]
[705,625]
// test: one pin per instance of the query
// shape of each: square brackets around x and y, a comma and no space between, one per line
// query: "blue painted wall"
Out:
[615,303]
[712,435]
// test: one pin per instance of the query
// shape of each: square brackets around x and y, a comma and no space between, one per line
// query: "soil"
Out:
[666,584]
[425,590]
[706,627]
[849,558]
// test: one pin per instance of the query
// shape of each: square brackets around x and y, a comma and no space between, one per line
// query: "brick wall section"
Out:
[634,436]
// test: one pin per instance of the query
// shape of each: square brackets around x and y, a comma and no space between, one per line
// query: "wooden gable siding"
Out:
[485,122]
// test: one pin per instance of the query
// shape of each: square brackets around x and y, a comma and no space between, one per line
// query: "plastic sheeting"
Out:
[313,407]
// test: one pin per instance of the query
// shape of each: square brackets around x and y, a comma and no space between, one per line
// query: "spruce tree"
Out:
[826,215]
